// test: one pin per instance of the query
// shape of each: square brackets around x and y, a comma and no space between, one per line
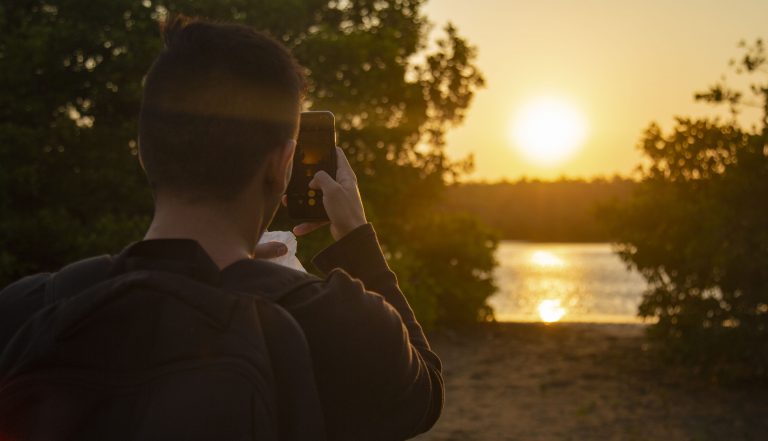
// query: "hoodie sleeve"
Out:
[376,375]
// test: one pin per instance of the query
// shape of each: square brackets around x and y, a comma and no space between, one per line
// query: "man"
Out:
[217,136]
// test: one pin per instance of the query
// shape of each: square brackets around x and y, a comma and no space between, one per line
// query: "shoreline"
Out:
[580,381]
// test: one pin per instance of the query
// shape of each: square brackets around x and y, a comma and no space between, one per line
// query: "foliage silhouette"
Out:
[70,184]
[697,229]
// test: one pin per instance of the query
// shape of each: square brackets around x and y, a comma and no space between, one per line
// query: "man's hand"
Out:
[269,250]
[341,200]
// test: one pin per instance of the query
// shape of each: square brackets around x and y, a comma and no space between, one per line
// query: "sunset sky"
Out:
[618,64]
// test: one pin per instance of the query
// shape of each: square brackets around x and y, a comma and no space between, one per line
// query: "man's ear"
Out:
[279,171]
[138,153]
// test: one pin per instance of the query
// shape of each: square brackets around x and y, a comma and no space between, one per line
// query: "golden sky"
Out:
[622,63]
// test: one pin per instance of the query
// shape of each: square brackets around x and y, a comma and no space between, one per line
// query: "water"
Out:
[564,282]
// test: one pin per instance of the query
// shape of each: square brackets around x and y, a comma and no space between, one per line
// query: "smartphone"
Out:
[315,151]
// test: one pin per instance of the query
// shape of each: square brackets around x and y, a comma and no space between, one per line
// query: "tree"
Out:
[697,229]
[70,184]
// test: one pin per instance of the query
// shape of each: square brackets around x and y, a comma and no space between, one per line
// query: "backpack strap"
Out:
[77,277]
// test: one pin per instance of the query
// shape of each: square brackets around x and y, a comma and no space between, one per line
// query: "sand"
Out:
[564,381]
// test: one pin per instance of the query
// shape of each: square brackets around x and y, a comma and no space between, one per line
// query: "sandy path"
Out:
[580,382]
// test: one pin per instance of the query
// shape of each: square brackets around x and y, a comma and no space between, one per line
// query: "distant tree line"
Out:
[566,210]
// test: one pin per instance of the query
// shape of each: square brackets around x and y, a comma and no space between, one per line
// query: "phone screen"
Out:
[315,151]
[314,144]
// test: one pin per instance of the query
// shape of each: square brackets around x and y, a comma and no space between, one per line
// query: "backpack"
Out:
[153,355]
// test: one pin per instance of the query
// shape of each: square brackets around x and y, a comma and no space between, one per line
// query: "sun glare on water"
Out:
[548,131]
[546,259]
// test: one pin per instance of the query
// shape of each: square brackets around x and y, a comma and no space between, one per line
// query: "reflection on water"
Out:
[564,282]
[545,259]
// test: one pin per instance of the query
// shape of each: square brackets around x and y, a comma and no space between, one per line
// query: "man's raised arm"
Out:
[375,364]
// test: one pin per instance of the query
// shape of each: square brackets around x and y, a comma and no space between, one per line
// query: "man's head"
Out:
[220,112]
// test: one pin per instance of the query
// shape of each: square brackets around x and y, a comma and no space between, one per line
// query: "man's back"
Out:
[129,350]
[374,371]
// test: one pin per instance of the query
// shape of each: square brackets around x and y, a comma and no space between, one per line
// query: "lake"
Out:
[564,282]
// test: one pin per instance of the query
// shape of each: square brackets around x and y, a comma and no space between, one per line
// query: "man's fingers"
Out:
[269,250]
[308,227]
[345,176]
[344,173]
[323,181]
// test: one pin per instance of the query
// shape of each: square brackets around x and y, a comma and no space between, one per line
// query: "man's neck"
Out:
[224,239]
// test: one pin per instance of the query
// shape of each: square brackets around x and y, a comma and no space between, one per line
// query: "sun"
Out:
[548,131]
[551,310]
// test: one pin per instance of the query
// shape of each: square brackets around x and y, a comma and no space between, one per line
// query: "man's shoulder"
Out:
[288,286]
[19,301]
[268,277]
[23,286]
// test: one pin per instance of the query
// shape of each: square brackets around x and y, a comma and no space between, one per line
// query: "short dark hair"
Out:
[217,100]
